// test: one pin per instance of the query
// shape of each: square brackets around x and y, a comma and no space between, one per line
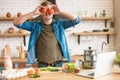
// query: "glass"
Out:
[2,77]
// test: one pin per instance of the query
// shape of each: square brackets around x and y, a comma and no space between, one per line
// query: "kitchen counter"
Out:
[24,60]
[16,60]
[70,76]
[67,76]
[21,63]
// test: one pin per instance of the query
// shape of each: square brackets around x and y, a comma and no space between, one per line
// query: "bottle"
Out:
[77,63]
[103,13]
[95,15]
[22,55]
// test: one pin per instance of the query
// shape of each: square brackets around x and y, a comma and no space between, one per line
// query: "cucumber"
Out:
[34,76]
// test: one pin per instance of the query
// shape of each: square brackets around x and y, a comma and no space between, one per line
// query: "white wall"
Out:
[74,6]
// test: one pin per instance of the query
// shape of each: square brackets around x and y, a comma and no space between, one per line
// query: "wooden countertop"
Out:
[70,76]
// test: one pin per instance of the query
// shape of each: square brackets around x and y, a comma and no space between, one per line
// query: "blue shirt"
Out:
[59,27]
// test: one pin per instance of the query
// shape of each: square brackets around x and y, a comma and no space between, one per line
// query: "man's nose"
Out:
[47,13]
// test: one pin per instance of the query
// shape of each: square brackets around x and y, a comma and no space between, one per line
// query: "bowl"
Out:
[96,30]
[105,30]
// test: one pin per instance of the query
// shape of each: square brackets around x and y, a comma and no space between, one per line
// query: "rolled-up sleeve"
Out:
[69,23]
[26,25]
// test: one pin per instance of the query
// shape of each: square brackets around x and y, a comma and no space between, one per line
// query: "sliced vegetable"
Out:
[34,76]
[49,68]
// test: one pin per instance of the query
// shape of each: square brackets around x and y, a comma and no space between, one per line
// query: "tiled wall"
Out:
[82,7]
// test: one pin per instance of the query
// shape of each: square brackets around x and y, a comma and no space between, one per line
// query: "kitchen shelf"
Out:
[15,35]
[94,33]
[83,18]
[16,60]
[9,19]
[98,18]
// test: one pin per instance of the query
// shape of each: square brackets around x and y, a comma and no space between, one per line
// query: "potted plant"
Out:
[117,59]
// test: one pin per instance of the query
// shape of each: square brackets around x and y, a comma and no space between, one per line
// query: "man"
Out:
[47,40]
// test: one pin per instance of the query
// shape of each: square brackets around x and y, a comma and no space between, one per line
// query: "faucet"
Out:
[104,43]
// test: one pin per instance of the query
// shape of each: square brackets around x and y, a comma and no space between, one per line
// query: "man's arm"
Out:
[71,20]
[68,15]
[25,17]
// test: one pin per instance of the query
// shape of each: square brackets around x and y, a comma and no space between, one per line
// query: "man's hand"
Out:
[37,10]
[66,14]
[56,9]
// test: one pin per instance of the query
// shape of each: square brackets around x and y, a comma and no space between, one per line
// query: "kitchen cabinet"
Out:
[95,33]
[14,34]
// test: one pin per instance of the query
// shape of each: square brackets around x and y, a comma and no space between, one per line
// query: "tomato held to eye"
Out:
[50,11]
[43,10]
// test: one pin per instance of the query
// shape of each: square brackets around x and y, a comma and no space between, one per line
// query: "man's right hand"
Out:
[23,18]
[37,11]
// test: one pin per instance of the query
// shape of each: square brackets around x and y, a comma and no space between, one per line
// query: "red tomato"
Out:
[50,11]
[76,70]
[66,67]
[43,10]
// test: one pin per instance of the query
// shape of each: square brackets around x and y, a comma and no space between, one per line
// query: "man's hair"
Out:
[46,3]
